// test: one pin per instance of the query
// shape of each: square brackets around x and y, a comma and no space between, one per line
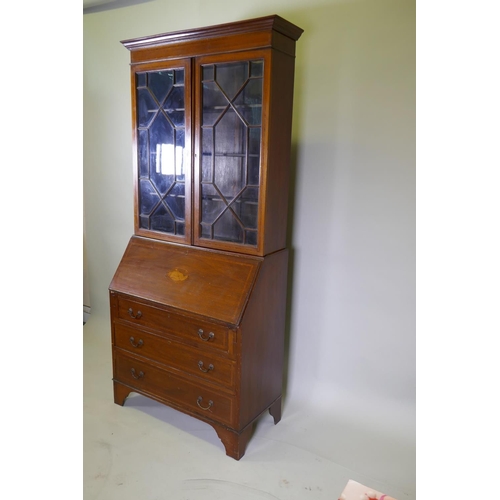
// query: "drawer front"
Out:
[200,332]
[192,397]
[191,360]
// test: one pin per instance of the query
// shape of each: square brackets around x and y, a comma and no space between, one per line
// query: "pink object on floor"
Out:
[358,491]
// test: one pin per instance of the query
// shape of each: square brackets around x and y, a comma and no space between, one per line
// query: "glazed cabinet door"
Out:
[161,104]
[231,106]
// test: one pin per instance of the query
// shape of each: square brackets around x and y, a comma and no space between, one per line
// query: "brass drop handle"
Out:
[137,377]
[139,344]
[204,337]
[205,370]
[200,399]
[132,315]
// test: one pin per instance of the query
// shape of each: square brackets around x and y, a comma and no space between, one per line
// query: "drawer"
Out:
[150,380]
[200,332]
[192,360]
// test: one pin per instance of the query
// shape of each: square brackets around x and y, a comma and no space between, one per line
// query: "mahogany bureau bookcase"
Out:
[198,300]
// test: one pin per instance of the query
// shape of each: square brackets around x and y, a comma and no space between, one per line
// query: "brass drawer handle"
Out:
[205,370]
[137,377]
[210,336]
[200,399]
[132,315]
[139,344]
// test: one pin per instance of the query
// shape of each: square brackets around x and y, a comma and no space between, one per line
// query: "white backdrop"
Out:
[351,326]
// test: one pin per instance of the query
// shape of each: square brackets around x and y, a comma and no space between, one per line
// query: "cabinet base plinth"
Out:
[235,442]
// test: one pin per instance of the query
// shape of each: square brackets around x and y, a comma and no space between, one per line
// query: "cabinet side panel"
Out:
[113,307]
[279,141]
[262,339]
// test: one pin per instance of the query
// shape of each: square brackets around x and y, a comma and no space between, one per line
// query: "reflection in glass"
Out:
[160,150]
[179,155]
[169,160]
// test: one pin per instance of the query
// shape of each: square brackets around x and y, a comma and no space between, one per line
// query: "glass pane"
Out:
[176,200]
[176,117]
[176,205]
[206,155]
[229,175]
[247,207]
[160,83]
[162,220]
[162,154]
[180,228]
[249,102]
[142,152]
[179,155]
[230,151]
[230,134]
[208,72]
[206,168]
[214,103]
[144,221]
[251,238]
[146,107]
[179,190]
[231,77]
[206,231]
[211,204]
[148,197]
[254,141]
[160,150]
[228,229]
[253,170]
[179,77]
[251,114]
[175,100]
[256,68]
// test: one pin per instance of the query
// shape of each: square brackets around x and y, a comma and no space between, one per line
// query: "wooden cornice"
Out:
[262,24]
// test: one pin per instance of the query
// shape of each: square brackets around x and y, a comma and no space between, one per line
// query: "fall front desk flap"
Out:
[212,284]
